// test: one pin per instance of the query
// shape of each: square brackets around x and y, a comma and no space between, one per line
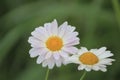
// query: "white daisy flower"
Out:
[94,59]
[52,44]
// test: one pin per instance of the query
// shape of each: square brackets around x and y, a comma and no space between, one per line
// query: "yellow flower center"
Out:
[54,43]
[88,58]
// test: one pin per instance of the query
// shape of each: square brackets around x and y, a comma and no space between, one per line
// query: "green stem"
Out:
[83,75]
[116,8]
[47,74]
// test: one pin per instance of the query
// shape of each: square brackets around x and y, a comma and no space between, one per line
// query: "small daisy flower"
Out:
[94,59]
[52,44]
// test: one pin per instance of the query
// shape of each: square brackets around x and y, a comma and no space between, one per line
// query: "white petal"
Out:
[36,35]
[73,43]
[100,51]
[109,63]
[88,68]
[34,52]
[63,54]
[101,66]
[43,51]
[48,55]
[81,67]
[71,50]
[45,63]
[95,67]
[105,55]
[73,59]
[70,36]
[54,27]
[82,50]
[62,29]
[56,55]
[93,50]
[51,63]
[42,31]
[71,28]
[106,61]
[70,32]
[40,59]
[71,40]
[48,28]
[103,69]
[35,42]
[64,61]
[58,63]
[39,33]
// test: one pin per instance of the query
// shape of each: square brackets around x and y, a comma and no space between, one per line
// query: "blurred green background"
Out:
[97,21]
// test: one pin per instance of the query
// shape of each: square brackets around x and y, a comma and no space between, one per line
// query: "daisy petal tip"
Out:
[37,62]
[88,69]
[80,68]
[66,22]
[105,70]
[103,48]
[113,60]
[31,56]
[83,47]
[50,67]
[54,21]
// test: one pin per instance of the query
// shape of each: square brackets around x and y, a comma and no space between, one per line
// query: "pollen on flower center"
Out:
[54,43]
[88,58]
